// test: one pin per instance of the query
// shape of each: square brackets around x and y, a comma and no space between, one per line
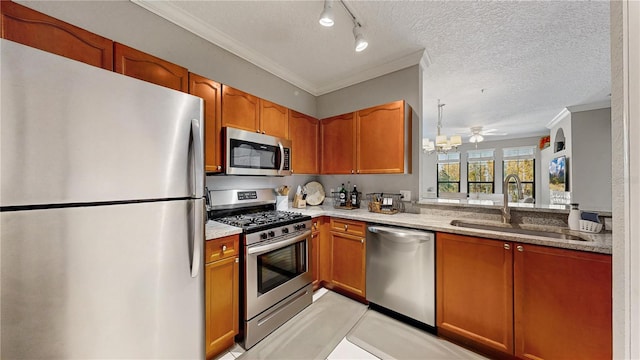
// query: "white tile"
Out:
[225,356]
[348,351]
[236,351]
[318,293]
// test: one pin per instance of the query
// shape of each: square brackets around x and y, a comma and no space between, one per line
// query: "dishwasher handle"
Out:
[402,235]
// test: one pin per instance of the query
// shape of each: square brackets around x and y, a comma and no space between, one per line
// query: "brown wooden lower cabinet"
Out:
[562,303]
[532,302]
[474,291]
[348,259]
[221,294]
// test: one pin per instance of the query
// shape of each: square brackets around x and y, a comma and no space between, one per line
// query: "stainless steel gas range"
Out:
[275,276]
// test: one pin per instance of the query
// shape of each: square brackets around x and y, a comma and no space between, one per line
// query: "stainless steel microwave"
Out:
[251,153]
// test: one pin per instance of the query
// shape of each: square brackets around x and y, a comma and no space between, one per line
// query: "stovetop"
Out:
[257,221]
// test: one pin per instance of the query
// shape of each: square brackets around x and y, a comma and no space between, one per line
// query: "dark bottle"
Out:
[343,196]
[355,197]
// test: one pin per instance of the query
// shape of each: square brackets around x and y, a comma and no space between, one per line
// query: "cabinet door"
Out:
[562,304]
[143,66]
[337,142]
[32,28]
[239,109]
[304,132]
[348,263]
[211,92]
[274,119]
[380,131]
[221,304]
[474,291]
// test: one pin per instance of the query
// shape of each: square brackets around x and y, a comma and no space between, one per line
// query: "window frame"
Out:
[448,160]
[483,155]
[524,153]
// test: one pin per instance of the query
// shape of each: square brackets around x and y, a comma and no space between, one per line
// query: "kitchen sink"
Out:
[510,228]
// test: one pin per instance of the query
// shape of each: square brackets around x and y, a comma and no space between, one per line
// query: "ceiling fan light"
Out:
[361,43]
[476,138]
[326,18]
[456,140]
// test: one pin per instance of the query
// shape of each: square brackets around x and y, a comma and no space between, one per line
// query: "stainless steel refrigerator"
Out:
[102,213]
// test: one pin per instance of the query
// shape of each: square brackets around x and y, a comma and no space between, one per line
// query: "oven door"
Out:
[275,271]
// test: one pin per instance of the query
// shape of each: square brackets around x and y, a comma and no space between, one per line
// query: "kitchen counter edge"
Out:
[597,243]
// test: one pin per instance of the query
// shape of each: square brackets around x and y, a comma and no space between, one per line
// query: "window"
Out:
[480,167]
[449,173]
[520,161]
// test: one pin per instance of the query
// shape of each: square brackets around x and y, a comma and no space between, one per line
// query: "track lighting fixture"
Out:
[361,43]
[326,18]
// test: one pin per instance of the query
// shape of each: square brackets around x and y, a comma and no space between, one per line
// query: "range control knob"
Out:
[272,233]
[303,226]
[263,236]
[285,230]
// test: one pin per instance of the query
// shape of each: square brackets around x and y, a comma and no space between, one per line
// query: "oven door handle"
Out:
[281,157]
[259,250]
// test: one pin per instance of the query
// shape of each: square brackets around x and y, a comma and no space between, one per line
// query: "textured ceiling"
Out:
[510,66]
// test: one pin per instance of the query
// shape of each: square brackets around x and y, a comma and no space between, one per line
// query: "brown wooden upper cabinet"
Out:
[376,140]
[304,132]
[244,111]
[337,144]
[143,66]
[32,28]
[211,92]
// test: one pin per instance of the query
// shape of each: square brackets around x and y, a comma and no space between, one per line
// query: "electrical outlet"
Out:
[406,195]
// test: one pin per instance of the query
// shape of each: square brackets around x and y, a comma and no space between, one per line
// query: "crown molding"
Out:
[561,115]
[578,108]
[590,106]
[371,73]
[181,18]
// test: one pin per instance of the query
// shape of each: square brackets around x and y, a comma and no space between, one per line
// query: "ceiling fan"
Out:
[478,134]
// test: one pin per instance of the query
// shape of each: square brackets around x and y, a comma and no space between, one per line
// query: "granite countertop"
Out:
[214,230]
[598,243]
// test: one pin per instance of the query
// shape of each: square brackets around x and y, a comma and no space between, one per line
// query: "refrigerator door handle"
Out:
[199,158]
[198,238]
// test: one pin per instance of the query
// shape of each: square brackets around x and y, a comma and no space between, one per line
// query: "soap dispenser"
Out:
[574,217]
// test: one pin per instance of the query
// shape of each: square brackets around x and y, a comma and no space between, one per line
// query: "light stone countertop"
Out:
[214,230]
[598,243]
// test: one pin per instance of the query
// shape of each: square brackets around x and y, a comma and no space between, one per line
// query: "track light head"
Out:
[360,43]
[326,18]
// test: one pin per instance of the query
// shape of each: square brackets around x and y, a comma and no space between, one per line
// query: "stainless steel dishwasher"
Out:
[401,271]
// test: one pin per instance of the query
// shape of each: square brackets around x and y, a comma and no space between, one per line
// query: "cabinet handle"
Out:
[346,227]
[263,131]
[258,131]
[219,167]
[361,241]
[237,260]
[358,171]
[352,171]
[224,248]
[507,246]
[520,248]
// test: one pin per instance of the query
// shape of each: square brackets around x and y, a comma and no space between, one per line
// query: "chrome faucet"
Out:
[506,211]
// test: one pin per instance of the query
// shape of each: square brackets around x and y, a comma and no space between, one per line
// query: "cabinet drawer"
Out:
[348,226]
[221,248]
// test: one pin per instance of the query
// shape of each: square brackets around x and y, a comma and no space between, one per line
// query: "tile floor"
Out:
[344,351]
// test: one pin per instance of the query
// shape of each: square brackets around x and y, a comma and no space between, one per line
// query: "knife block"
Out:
[299,202]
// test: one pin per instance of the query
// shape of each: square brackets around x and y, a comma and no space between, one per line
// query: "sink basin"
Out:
[516,230]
